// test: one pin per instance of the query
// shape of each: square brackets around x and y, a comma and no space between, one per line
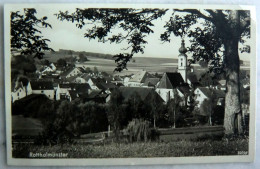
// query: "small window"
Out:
[181,63]
[42,91]
[18,94]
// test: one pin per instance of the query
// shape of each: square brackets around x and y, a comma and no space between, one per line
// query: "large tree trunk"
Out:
[232,123]
[232,120]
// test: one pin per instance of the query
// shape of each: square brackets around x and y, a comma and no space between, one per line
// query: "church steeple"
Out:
[182,61]
[182,49]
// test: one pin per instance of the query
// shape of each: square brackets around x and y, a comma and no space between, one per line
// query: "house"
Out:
[71,95]
[72,71]
[202,93]
[144,93]
[97,96]
[53,67]
[64,90]
[138,79]
[168,83]
[117,80]
[18,91]
[41,87]
[47,69]
[151,82]
[222,85]
[83,78]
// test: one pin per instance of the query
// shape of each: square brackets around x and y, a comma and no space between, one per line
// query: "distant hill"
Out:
[62,53]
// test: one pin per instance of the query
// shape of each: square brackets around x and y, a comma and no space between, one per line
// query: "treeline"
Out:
[93,54]
[64,120]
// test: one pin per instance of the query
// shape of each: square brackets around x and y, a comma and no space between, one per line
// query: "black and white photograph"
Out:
[114,84]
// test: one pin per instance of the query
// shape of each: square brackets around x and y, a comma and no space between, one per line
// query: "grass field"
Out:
[25,126]
[179,148]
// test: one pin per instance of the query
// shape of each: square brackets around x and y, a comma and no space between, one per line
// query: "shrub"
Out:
[138,130]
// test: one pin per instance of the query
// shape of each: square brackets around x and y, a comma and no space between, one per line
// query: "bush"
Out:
[138,130]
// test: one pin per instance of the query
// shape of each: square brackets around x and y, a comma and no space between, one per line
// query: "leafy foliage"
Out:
[25,36]
[135,24]
[208,31]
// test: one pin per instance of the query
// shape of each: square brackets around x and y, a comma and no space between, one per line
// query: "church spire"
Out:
[182,49]
[182,61]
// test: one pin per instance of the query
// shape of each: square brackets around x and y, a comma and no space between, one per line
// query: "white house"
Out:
[167,84]
[18,91]
[47,69]
[202,93]
[62,90]
[42,87]
[73,71]
[138,79]
[53,67]
[72,90]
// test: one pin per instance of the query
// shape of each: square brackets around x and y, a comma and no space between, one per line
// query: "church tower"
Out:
[182,61]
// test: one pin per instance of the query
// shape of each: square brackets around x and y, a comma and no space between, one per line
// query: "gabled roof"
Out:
[140,77]
[104,86]
[41,85]
[85,76]
[65,85]
[127,92]
[73,94]
[184,89]
[94,93]
[208,92]
[16,86]
[79,87]
[170,80]
[66,72]
[151,81]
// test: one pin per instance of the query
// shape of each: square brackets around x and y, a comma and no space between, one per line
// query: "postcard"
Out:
[129,84]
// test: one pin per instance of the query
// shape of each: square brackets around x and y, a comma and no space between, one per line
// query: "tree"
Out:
[174,108]
[216,42]
[93,117]
[156,106]
[95,70]
[82,58]
[114,113]
[134,26]
[46,62]
[135,105]
[208,105]
[61,62]
[24,64]
[214,37]
[25,35]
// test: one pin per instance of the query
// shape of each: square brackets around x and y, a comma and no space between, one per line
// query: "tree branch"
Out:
[196,12]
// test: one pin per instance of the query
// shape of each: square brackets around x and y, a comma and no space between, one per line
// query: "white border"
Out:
[128,161]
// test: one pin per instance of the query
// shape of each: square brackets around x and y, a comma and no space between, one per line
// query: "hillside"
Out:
[62,53]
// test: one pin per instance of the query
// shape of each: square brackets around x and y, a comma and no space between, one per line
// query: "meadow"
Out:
[181,148]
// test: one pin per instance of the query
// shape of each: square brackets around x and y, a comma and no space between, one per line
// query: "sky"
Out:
[65,35]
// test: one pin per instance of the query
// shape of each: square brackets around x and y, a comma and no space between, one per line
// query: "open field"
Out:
[179,148]
[25,126]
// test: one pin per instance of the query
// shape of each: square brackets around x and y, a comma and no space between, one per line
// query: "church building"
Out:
[175,80]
